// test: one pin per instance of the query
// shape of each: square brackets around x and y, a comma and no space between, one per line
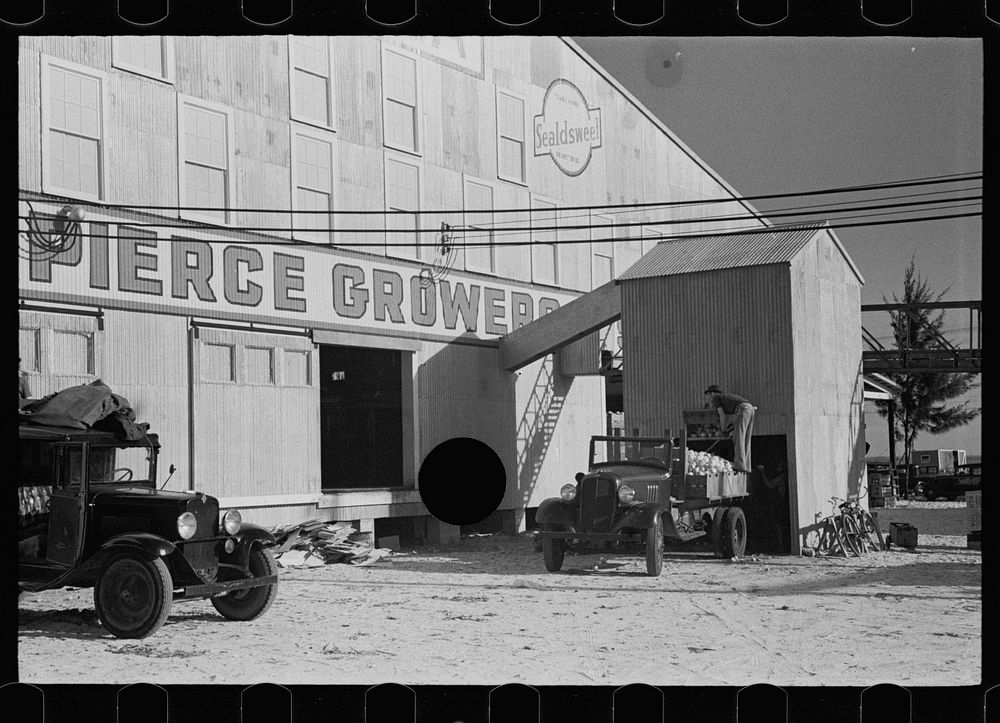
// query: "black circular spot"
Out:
[462,481]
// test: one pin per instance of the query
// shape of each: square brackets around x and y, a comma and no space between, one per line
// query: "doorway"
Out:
[361,417]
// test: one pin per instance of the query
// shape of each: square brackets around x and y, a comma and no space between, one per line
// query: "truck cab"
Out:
[90,515]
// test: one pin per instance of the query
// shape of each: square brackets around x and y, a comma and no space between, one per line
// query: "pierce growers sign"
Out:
[568,130]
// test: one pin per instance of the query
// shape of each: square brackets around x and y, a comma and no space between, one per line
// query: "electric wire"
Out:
[493,229]
[737,231]
[905,183]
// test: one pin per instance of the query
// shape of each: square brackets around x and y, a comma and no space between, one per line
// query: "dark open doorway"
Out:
[361,417]
[767,507]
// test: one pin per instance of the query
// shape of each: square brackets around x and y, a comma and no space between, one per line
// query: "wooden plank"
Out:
[558,328]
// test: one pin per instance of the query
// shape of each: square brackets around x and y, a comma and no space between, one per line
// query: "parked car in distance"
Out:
[91,516]
[967,478]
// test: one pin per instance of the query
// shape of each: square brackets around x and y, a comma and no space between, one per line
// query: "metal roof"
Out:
[709,253]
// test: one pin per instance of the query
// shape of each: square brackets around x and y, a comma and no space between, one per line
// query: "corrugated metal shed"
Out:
[774,317]
[726,251]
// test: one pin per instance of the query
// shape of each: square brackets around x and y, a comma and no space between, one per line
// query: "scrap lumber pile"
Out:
[314,542]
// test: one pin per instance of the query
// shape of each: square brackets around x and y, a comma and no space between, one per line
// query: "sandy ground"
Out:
[487,612]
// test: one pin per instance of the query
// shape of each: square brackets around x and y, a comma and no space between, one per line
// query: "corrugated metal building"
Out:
[303,364]
[773,317]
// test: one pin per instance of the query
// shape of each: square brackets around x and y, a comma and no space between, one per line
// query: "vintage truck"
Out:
[637,492]
[91,516]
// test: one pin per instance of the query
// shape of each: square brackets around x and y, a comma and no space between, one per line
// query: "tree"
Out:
[920,405]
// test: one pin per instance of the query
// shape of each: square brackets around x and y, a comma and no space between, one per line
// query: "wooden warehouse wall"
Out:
[829,406]
[460,389]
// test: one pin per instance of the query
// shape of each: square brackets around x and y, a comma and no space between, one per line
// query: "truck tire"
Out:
[133,595]
[553,551]
[253,602]
[654,548]
[734,532]
[715,532]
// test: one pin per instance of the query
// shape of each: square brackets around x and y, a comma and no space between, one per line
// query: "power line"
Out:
[706,234]
[564,217]
[919,181]
[733,217]
[484,229]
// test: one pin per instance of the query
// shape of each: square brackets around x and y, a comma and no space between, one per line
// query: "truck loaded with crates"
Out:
[639,491]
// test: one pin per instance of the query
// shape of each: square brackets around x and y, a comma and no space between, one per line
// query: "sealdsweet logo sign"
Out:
[568,130]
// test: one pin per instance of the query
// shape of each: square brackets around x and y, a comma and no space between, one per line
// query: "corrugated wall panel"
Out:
[214,68]
[513,262]
[360,186]
[262,171]
[683,333]
[146,361]
[95,53]
[142,141]
[358,88]
[29,116]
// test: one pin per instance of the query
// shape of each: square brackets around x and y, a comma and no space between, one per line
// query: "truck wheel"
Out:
[654,548]
[133,595]
[930,495]
[253,602]
[734,533]
[553,551]
[716,532]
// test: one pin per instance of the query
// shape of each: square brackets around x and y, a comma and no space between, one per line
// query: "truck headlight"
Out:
[232,521]
[187,524]
[626,494]
[568,492]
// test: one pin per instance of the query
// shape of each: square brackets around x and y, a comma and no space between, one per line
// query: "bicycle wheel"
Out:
[851,534]
[870,528]
[832,540]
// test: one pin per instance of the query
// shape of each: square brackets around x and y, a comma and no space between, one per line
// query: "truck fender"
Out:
[644,515]
[248,536]
[556,512]
[144,542]
[254,533]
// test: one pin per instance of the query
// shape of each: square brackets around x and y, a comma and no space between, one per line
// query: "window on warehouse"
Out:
[59,350]
[544,253]
[206,160]
[479,249]
[402,193]
[602,249]
[147,55]
[400,116]
[73,140]
[311,86]
[510,137]
[312,180]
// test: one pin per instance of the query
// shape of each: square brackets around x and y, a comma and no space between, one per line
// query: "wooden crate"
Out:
[713,486]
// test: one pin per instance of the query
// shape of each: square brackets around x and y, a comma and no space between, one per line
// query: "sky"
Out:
[774,115]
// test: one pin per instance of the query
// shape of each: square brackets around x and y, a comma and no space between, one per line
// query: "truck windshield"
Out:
[648,451]
[110,464]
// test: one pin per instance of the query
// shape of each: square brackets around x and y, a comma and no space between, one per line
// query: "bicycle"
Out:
[832,537]
[859,527]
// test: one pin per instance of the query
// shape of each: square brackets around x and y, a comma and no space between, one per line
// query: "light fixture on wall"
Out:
[52,235]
